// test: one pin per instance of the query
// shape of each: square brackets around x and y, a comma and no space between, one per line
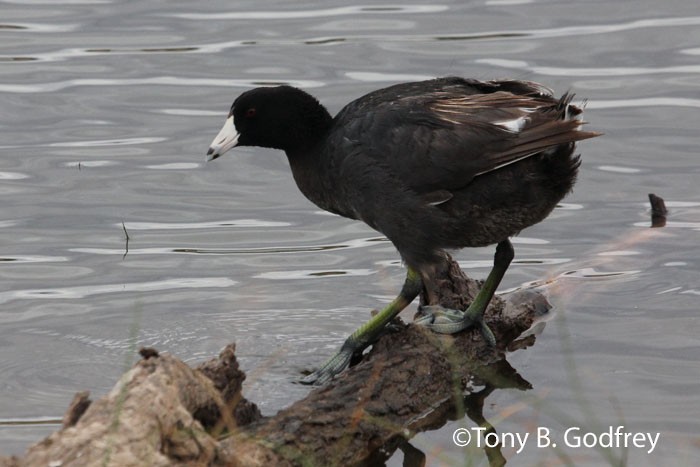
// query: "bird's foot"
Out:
[448,321]
[368,333]
[335,364]
[350,354]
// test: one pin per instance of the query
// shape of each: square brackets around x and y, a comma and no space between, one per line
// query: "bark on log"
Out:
[164,413]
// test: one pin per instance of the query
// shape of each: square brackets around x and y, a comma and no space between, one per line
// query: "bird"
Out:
[435,166]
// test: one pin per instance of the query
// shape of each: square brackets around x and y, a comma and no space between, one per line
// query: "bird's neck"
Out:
[305,134]
[305,163]
[312,177]
[306,159]
[304,149]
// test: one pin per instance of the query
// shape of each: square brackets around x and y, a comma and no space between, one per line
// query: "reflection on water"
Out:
[108,108]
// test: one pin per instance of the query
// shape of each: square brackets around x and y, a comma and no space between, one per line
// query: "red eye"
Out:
[250,112]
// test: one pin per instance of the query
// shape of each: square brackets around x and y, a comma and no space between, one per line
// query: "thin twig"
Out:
[126,247]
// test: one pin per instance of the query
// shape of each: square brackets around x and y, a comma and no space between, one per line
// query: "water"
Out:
[109,107]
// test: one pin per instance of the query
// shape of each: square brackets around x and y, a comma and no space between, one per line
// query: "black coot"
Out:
[433,165]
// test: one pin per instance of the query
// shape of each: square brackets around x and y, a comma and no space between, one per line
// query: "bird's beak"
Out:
[225,140]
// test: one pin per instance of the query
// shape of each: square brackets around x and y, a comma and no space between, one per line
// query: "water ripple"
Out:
[619,253]
[317,13]
[213,48]
[592,273]
[569,206]
[373,77]
[508,2]
[275,250]
[588,71]
[174,166]
[156,80]
[617,27]
[673,224]
[78,52]
[568,31]
[81,164]
[529,241]
[99,289]
[190,112]
[39,27]
[618,169]
[488,263]
[107,142]
[32,259]
[644,102]
[683,204]
[12,176]
[478,36]
[312,274]
[202,225]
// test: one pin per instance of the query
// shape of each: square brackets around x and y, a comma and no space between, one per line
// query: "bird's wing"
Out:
[442,140]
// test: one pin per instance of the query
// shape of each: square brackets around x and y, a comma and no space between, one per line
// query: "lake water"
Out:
[108,109]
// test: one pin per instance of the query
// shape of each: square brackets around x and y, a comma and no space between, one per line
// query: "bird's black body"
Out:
[433,165]
[417,161]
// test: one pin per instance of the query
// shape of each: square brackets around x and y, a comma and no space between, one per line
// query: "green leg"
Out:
[445,321]
[368,332]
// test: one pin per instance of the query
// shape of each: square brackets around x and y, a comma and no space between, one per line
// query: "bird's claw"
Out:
[332,367]
[448,321]
[440,319]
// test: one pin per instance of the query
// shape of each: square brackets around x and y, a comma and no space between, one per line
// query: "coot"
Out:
[433,165]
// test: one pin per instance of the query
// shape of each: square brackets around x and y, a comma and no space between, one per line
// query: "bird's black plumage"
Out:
[440,164]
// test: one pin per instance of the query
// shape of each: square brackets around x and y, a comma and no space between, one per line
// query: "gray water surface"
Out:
[108,109]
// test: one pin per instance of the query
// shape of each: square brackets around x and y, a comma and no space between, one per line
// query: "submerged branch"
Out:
[658,210]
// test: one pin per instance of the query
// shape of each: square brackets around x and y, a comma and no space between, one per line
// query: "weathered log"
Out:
[163,412]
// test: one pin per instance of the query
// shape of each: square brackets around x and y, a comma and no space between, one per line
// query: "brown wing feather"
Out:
[527,124]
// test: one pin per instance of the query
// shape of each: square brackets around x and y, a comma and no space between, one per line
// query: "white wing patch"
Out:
[514,126]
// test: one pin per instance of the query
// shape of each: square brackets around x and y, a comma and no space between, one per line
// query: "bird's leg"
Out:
[368,332]
[446,321]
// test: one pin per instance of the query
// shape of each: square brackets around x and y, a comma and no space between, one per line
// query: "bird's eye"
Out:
[250,112]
